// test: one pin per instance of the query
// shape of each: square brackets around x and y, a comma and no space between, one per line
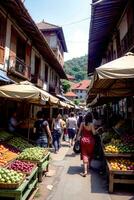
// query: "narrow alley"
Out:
[64,181]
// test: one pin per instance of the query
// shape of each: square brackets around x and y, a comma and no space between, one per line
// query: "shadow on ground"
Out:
[70,155]
[98,182]
[74,170]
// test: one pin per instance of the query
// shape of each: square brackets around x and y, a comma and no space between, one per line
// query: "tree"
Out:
[76,101]
[77,67]
[66,85]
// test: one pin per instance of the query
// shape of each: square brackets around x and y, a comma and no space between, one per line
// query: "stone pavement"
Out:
[63,181]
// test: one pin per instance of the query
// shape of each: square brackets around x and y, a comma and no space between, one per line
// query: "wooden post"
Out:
[111,182]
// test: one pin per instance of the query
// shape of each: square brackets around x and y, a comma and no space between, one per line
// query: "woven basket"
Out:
[11,185]
[26,173]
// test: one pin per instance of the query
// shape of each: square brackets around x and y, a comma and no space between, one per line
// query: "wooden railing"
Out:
[17,65]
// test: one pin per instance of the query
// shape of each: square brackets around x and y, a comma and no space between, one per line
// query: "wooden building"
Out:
[55,38]
[111,31]
[24,51]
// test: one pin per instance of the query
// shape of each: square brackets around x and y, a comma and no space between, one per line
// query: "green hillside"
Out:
[77,67]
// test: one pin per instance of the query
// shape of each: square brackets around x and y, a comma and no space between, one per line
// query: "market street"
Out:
[66,183]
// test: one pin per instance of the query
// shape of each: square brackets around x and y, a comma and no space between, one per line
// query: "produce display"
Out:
[121,164]
[32,154]
[8,156]
[128,139]
[5,135]
[2,149]
[20,143]
[3,161]
[10,148]
[25,167]
[117,146]
[108,136]
[10,176]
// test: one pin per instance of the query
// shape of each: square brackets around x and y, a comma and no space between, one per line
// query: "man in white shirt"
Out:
[71,128]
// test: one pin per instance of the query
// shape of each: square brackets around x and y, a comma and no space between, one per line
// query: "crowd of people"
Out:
[61,128]
[71,129]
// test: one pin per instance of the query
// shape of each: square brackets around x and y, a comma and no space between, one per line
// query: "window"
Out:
[21,49]
[46,73]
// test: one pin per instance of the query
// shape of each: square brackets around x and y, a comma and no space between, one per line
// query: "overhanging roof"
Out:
[47,27]
[104,17]
[19,13]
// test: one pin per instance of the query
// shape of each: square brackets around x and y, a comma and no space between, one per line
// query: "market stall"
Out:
[111,83]
[118,149]
[21,171]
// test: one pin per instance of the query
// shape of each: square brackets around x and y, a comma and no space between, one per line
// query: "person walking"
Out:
[42,130]
[87,141]
[13,123]
[57,131]
[71,128]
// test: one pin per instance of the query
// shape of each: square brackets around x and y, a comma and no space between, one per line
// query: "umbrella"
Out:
[115,75]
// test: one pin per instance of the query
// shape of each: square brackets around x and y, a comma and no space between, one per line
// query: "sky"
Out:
[72,15]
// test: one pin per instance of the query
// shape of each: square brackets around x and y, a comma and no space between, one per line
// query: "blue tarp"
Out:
[4,77]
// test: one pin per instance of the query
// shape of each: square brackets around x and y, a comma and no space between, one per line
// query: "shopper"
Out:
[57,131]
[87,132]
[42,130]
[13,123]
[96,120]
[71,128]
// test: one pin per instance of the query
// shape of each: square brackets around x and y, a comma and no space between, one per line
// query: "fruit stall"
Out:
[118,152]
[22,166]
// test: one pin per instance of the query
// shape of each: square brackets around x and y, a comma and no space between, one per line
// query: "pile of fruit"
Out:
[32,154]
[117,146]
[5,135]
[128,139]
[8,156]
[121,164]
[10,148]
[3,161]
[20,143]
[107,136]
[10,176]
[24,167]
[3,149]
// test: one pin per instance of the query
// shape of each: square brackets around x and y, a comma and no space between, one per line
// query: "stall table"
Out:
[23,191]
[43,165]
[118,176]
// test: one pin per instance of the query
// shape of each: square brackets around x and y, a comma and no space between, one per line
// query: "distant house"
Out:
[71,95]
[80,89]
[55,38]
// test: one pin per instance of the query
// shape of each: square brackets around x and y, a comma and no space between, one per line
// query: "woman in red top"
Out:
[87,131]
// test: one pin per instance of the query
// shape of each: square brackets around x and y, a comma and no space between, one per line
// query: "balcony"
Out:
[17,66]
[37,81]
[53,89]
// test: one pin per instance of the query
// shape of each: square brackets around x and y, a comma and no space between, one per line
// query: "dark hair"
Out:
[95,115]
[88,118]
[72,114]
[39,114]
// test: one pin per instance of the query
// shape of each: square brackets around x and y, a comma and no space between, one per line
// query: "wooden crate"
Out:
[24,189]
[123,177]
[43,166]
[123,155]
